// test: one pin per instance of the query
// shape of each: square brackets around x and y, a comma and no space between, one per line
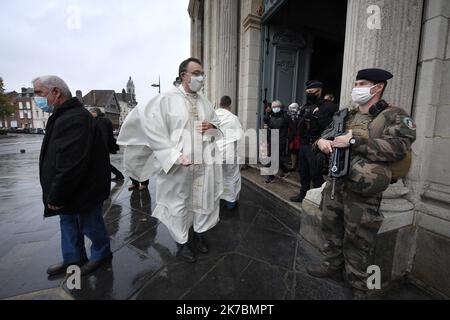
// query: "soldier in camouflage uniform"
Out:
[379,135]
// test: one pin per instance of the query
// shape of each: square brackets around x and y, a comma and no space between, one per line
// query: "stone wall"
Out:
[429,179]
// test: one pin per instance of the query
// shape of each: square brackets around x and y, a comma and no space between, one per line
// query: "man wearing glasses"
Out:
[160,141]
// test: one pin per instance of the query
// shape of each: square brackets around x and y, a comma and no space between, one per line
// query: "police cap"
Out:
[314,84]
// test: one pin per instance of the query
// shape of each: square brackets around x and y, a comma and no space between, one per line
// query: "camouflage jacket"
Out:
[386,138]
[380,142]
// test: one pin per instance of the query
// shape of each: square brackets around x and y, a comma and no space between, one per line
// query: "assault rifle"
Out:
[339,165]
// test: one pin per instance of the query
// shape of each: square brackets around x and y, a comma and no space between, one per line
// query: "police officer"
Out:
[380,137]
[314,118]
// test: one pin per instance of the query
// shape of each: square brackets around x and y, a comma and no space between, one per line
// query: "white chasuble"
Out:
[233,132]
[155,136]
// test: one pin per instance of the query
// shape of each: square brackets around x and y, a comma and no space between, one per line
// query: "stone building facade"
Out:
[262,50]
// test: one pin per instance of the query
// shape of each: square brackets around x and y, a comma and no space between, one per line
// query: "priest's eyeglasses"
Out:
[197,74]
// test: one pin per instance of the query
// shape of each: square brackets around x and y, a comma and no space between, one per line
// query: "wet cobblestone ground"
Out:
[256,252]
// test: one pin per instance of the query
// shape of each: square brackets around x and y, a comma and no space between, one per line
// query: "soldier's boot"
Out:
[323,270]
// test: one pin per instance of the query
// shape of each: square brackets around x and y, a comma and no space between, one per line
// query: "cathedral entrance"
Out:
[302,40]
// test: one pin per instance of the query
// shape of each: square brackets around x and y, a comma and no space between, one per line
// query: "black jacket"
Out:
[279,121]
[106,127]
[74,162]
[311,125]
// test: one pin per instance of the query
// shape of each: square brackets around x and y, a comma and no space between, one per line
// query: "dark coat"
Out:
[279,121]
[74,162]
[311,125]
[106,127]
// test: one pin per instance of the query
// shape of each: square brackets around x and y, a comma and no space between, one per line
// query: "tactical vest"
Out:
[366,126]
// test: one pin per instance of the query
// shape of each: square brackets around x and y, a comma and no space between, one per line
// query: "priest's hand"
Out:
[183,161]
[204,126]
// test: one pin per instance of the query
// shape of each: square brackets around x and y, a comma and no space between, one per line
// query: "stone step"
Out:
[280,188]
[292,179]
[394,247]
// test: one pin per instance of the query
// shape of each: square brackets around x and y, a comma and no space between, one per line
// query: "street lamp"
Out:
[158,85]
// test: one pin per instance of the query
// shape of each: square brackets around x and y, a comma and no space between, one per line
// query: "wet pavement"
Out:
[255,251]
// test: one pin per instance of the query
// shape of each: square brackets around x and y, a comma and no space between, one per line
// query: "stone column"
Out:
[380,34]
[250,62]
[227,55]
[210,43]
[195,10]
[383,34]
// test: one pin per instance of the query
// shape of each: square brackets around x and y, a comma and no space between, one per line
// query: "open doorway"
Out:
[303,40]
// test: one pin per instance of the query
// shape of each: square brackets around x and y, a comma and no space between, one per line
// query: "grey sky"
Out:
[99,48]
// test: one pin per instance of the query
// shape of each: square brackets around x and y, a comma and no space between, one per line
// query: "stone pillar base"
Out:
[395,239]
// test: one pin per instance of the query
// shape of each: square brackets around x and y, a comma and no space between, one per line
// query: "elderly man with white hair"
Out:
[293,136]
[278,119]
[74,175]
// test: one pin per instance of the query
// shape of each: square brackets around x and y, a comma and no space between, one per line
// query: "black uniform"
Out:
[310,127]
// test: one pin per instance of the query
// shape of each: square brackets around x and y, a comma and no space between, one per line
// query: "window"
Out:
[28,105]
[29,114]
[21,105]
[21,114]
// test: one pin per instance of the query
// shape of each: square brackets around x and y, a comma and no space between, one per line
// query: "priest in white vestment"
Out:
[228,146]
[159,140]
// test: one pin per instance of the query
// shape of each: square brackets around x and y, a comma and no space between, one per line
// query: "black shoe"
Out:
[323,270]
[61,267]
[185,254]
[200,243]
[269,180]
[298,198]
[91,266]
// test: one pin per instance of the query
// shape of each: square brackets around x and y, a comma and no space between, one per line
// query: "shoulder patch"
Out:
[409,123]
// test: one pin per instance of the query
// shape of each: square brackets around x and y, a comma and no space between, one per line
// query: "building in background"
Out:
[27,116]
[256,51]
[116,106]
[127,100]
[127,103]
[107,101]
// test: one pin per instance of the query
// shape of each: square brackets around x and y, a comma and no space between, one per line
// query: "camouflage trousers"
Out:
[350,224]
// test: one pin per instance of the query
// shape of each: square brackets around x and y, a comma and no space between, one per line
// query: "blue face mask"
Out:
[42,104]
